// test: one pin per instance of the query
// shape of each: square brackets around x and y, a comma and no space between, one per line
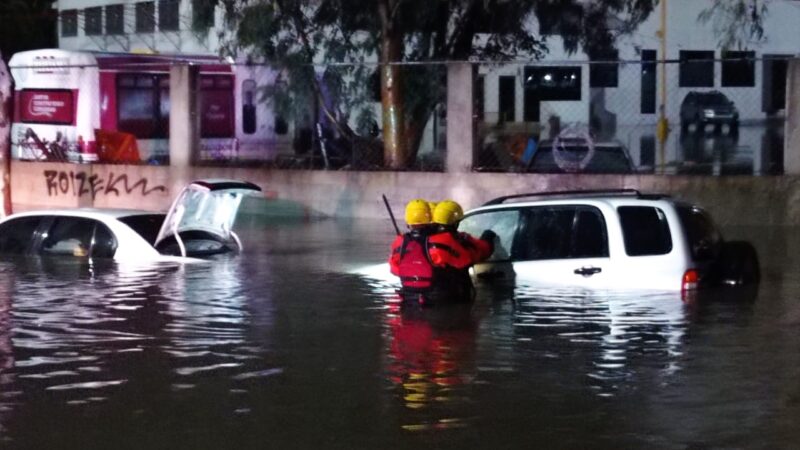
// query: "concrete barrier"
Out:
[734,201]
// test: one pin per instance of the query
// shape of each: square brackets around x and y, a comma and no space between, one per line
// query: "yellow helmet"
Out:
[447,212]
[418,212]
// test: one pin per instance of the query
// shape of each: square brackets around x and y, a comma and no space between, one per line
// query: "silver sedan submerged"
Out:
[199,223]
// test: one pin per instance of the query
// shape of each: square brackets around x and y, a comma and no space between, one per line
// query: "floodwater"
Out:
[285,347]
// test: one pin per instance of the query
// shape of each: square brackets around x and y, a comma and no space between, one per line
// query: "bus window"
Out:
[143,105]
[46,106]
[249,107]
[216,106]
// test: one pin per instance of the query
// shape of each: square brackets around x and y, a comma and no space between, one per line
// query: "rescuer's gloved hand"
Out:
[488,236]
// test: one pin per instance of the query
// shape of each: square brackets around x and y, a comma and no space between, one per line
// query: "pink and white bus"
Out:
[65,100]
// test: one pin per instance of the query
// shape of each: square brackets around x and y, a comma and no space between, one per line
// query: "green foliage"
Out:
[736,23]
[342,38]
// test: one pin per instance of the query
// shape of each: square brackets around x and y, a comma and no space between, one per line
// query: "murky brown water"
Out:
[284,347]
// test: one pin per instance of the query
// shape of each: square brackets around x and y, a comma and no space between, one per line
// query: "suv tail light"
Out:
[689,282]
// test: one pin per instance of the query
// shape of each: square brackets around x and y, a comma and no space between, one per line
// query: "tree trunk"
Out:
[394,145]
[5,138]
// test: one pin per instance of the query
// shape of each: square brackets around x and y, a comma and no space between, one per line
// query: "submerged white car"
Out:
[199,223]
[619,239]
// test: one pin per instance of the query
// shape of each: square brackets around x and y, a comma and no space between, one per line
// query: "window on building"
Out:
[249,106]
[696,68]
[115,19]
[554,83]
[69,22]
[143,105]
[738,69]
[216,106]
[604,70]
[169,15]
[203,14]
[145,17]
[507,100]
[648,78]
[93,21]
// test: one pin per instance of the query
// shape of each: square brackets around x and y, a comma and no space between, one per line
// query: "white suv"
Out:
[619,239]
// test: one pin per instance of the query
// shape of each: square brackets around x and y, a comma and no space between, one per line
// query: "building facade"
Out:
[620,97]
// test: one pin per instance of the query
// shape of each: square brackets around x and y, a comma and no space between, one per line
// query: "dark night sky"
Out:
[26,25]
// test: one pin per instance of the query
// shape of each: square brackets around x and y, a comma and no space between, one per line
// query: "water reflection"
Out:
[280,347]
[431,353]
[615,330]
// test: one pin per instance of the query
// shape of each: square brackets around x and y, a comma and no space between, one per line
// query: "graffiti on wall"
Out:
[60,182]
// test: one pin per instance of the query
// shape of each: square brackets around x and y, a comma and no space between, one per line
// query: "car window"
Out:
[104,245]
[589,238]
[503,222]
[561,232]
[146,225]
[16,235]
[645,230]
[704,238]
[69,236]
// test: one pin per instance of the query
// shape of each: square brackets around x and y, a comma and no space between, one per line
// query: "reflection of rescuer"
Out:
[432,259]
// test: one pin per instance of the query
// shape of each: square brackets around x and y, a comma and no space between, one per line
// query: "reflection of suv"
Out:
[608,240]
[579,156]
[701,108]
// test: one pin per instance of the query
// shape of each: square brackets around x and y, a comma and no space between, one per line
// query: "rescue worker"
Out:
[409,257]
[453,252]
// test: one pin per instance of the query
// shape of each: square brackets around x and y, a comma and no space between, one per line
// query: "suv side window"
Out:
[503,222]
[644,230]
[16,235]
[561,232]
[703,236]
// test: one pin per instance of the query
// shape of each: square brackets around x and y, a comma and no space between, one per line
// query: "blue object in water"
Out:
[530,150]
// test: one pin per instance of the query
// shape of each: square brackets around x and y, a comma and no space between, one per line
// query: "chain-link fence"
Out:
[711,117]
[707,116]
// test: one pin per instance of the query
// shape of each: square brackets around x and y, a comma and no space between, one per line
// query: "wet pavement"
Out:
[285,347]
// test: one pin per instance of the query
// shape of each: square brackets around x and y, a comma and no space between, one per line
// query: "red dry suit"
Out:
[449,248]
[437,264]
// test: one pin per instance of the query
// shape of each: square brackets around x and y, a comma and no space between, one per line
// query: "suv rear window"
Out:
[645,230]
[704,238]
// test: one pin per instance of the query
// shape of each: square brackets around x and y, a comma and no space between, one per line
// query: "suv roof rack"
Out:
[588,192]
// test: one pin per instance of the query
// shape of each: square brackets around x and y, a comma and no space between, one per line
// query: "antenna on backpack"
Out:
[389,208]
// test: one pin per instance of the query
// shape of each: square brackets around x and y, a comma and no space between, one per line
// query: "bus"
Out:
[82,106]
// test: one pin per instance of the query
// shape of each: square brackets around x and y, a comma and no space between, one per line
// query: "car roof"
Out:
[90,213]
[578,195]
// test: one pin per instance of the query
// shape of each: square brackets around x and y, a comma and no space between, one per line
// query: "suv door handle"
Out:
[587,271]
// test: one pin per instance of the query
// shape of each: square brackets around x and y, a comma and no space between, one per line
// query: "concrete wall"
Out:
[734,201]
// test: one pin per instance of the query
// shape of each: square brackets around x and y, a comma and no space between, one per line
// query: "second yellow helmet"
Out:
[447,212]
